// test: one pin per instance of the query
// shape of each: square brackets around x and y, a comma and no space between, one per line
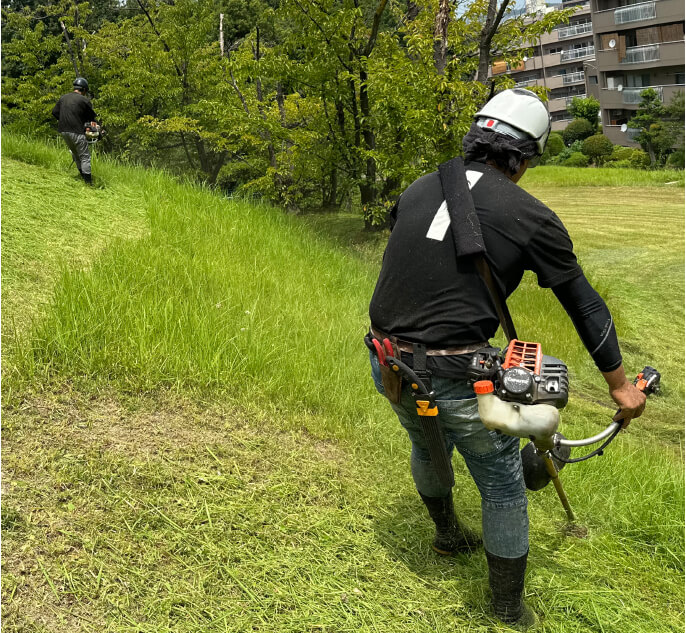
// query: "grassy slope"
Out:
[265,506]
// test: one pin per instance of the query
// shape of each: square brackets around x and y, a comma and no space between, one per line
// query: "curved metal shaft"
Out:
[589,440]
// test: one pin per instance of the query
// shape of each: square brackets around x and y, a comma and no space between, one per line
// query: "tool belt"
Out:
[407,347]
[392,381]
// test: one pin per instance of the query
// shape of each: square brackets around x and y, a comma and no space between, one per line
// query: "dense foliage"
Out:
[310,103]
[597,148]
[585,108]
[578,130]
[659,128]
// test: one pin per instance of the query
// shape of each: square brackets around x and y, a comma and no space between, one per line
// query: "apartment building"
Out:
[557,62]
[638,45]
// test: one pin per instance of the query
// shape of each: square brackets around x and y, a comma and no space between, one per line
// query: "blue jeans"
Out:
[492,458]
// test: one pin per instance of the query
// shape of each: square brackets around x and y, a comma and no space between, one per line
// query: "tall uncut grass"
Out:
[223,296]
[280,499]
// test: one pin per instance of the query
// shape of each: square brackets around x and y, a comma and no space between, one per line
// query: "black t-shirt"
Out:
[73,111]
[425,294]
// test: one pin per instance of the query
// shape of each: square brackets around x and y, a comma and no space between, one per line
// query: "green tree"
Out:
[659,128]
[597,148]
[578,130]
[553,147]
[676,159]
[585,108]
[308,103]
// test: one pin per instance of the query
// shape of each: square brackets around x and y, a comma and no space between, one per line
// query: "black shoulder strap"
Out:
[468,238]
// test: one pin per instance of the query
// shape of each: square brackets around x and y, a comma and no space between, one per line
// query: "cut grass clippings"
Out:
[192,442]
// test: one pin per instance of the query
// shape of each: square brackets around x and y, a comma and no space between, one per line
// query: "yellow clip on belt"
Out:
[423,408]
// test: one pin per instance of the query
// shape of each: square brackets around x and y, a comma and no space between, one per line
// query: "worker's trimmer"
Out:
[520,393]
[93,131]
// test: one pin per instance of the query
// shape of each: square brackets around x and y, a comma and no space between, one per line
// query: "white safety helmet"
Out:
[518,113]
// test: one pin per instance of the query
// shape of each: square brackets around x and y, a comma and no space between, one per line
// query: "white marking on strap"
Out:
[441,222]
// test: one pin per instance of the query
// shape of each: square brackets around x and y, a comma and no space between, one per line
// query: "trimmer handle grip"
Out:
[648,381]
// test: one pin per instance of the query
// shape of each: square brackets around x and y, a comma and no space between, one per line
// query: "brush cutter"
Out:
[519,394]
[93,131]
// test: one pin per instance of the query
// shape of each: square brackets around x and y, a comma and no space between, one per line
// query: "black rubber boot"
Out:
[451,537]
[88,179]
[506,579]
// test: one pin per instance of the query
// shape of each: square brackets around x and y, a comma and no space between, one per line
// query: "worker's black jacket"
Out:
[73,111]
[425,294]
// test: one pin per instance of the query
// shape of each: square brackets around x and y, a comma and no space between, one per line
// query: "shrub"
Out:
[554,146]
[566,153]
[578,130]
[676,160]
[577,159]
[639,159]
[619,164]
[597,148]
[619,152]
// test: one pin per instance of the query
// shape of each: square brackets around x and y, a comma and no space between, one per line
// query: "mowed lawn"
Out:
[191,441]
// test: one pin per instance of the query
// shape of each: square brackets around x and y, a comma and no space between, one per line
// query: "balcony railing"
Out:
[568,100]
[572,78]
[635,12]
[632,96]
[641,54]
[575,29]
[576,53]
[525,83]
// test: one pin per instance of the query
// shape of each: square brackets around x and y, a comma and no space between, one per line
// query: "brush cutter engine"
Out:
[93,131]
[522,374]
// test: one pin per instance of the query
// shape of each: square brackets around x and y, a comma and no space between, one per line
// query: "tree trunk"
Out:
[216,168]
[368,189]
[441,35]
[221,35]
[69,48]
[258,87]
[330,192]
[494,17]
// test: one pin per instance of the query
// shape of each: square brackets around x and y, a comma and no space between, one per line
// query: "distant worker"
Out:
[437,311]
[74,112]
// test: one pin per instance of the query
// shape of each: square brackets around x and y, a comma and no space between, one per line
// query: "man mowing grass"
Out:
[74,111]
[436,309]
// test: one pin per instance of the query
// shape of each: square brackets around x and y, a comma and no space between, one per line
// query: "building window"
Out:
[679,79]
[593,80]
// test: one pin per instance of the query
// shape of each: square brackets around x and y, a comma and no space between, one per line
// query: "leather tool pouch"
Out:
[392,384]
[392,381]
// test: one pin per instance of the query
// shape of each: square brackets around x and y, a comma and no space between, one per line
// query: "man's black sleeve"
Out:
[56,110]
[592,321]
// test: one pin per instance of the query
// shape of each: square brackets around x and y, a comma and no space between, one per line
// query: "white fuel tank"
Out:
[533,421]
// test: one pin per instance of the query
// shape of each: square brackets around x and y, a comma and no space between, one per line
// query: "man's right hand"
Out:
[627,396]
